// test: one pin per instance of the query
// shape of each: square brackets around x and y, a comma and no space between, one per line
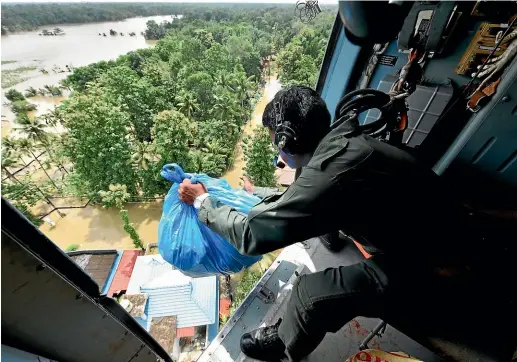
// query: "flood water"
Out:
[81,45]
[233,176]
[94,227]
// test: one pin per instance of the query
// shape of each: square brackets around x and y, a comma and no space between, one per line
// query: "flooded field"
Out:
[93,227]
[25,54]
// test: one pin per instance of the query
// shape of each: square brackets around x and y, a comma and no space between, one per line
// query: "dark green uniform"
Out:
[372,191]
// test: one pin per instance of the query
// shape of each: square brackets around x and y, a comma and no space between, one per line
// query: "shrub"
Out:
[72,247]
[13,95]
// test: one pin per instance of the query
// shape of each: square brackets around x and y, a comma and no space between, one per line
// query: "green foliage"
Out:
[185,100]
[98,142]
[154,30]
[248,281]
[172,132]
[23,194]
[22,106]
[24,209]
[31,92]
[13,95]
[130,229]
[259,155]
[50,90]
[116,196]
[19,17]
[300,60]
[72,247]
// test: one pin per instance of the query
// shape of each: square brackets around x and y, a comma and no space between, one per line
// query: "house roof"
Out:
[164,332]
[96,263]
[123,273]
[192,300]
[186,332]
[147,267]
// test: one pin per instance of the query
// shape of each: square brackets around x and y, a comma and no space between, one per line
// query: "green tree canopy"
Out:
[259,155]
[98,141]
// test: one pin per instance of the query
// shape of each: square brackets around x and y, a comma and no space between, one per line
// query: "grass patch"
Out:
[245,285]
[11,77]
[72,247]
[8,62]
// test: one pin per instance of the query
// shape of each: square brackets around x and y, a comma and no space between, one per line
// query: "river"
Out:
[93,227]
[81,45]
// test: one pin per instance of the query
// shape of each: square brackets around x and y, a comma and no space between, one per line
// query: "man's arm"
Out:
[303,211]
[264,192]
[261,192]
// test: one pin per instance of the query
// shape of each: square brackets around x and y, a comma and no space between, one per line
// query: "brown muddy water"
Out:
[233,176]
[81,45]
[93,227]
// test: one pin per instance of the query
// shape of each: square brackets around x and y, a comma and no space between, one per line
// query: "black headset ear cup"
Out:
[285,136]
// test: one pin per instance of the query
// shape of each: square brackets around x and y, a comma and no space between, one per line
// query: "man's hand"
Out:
[189,191]
[248,185]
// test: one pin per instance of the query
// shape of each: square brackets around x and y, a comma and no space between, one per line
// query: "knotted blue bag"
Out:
[188,244]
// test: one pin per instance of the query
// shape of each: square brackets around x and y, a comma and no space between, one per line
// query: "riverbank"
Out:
[25,54]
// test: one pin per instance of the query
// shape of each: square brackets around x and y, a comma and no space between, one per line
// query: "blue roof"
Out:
[193,301]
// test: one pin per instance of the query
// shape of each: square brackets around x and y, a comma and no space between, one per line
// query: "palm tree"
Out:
[8,161]
[28,146]
[54,117]
[243,89]
[222,80]
[31,92]
[223,107]
[52,90]
[58,31]
[143,155]
[244,86]
[33,129]
[10,145]
[197,161]
[187,103]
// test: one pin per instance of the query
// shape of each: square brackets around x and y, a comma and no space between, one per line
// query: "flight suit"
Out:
[374,192]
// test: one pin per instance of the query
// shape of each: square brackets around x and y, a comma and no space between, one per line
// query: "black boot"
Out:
[263,344]
[332,242]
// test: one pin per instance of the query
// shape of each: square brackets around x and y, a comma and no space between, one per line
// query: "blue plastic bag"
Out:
[188,244]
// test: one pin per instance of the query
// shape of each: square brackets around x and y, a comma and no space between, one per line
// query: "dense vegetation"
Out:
[18,17]
[185,100]
[259,155]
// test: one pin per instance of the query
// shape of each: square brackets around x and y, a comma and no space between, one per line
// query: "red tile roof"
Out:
[123,272]
[224,307]
[186,332]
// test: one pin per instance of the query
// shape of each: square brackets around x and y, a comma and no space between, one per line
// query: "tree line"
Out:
[186,100]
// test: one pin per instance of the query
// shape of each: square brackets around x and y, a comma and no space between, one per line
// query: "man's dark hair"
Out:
[305,110]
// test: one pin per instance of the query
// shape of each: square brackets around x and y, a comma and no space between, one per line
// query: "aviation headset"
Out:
[286,138]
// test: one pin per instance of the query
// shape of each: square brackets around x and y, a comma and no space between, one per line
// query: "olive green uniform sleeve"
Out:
[281,219]
[264,192]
